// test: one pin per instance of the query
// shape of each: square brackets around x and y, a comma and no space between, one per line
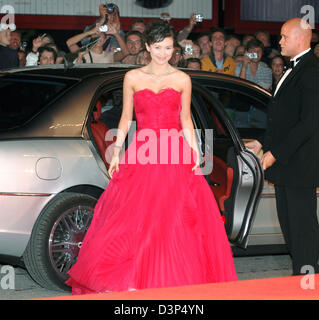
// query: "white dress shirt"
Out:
[296,61]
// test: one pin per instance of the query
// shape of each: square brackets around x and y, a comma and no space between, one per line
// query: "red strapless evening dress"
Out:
[157,224]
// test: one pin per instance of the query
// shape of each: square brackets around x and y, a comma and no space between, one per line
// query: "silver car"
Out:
[54,159]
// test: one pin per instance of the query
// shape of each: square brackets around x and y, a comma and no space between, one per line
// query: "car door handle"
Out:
[213,183]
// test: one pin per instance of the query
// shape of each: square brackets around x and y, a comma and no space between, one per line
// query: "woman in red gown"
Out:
[157,224]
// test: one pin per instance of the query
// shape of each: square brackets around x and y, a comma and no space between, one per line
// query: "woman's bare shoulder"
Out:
[182,77]
[180,74]
[135,74]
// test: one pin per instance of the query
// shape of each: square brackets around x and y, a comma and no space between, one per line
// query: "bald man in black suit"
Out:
[291,146]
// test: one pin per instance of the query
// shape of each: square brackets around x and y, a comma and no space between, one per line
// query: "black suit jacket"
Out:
[292,134]
[9,58]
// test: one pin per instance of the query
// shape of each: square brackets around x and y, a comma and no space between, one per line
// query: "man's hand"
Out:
[102,10]
[95,30]
[37,43]
[255,146]
[267,160]
[246,60]
[114,28]
[192,21]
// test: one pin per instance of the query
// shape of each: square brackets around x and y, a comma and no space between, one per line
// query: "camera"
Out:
[252,55]
[24,45]
[103,28]
[199,17]
[165,16]
[110,7]
[189,49]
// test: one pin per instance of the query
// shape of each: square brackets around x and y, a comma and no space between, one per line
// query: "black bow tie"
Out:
[293,63]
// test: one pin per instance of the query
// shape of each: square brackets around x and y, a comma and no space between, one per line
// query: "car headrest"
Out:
[97,111]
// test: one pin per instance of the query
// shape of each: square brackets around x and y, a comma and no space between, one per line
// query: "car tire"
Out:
[56,239]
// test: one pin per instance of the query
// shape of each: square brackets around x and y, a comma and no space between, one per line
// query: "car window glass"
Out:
[214,120]
[248,114]
[111,104]
[111,108]
[22,99]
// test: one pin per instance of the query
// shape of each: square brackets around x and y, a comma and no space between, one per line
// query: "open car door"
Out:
[236,178]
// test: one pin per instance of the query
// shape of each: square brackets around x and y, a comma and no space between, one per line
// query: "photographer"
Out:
[183,34]
[109,15]
[96,54]
[252,68]
[190,49]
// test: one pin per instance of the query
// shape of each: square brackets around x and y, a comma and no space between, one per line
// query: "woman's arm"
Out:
[186,119]
[125,121]
[72,42]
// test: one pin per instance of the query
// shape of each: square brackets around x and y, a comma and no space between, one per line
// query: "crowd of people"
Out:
[249,56]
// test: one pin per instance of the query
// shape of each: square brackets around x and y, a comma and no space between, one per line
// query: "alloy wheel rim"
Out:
[66,238]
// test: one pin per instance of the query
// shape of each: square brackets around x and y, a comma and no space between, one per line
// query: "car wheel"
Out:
[57,237]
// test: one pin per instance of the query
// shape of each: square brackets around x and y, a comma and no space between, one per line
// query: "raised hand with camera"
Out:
[72,43]
[187,46]
[109,14]
[114,29]
[252,68]
[193,20]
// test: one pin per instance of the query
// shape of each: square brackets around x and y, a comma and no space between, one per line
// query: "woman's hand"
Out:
[114,165]
[197,165]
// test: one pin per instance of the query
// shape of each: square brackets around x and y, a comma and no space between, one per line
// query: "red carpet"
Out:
[286,288]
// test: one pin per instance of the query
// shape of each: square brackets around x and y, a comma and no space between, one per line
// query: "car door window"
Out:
[22,99]
[104,120]
[247,113]
[112,104]
[111,108]
[236,178]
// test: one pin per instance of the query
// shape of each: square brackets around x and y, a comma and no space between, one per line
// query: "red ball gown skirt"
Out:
[157,224]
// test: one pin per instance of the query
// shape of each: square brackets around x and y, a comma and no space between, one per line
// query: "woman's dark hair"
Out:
[158,30]
[254,43]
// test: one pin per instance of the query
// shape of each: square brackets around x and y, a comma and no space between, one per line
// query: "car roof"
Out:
[89,77]
[77,72]
[85,70]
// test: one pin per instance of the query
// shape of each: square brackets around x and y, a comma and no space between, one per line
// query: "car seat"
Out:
[222,178]
[99,130]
